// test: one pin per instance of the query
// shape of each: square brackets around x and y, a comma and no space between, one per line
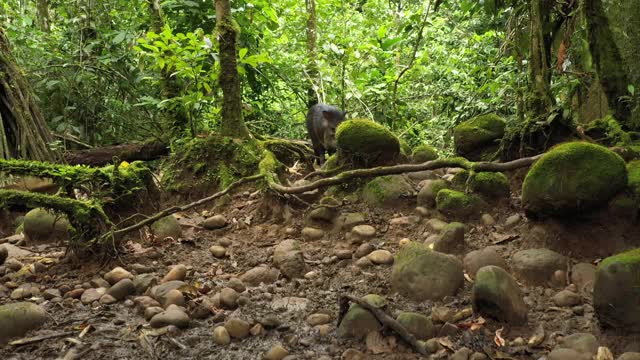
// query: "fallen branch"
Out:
[176,209]
[35,339]
[389,322]
[405,168]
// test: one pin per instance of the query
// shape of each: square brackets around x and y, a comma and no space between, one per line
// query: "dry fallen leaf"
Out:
[377,344]
[468,278]
[604,354]
[498,340]
[538,337]
[446,343]
[473,325]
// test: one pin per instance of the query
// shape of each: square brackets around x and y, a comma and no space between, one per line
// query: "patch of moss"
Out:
[405,149]
[631,257]
[610,129]
[478,132]
[490,184]
[633,174]
[456,203]
[423,153]
[366,143]
[386,190]
[573,177]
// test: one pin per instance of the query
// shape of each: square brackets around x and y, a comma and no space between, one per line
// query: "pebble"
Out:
[318,319]
[362,233]
[174,315]
[311,275]
[152,311]
[353,354]
[277,352]
[236,284]
[566,298]
[237,328]
[221,336]
[404,241]
[51,293]
[323,330]
[225,241]
[442,314]
[91,295]
[381,257]
[364,263]
[218,251]
[487,219]
[436,225]
[343,254]
[512,220]
[122,289]
[256,329]
[228,298]
[363,250]
[74,294]
[107,299]
[259,274]
[13,264]
[178,272]
[432,346]
[117,274]
[309,233]
[215,222]
[97,282]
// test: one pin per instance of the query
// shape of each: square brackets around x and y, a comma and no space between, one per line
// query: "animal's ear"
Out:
[344,113]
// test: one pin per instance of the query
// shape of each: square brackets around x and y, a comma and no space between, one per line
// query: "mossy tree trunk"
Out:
[23,130]
[607,58]
[540,100]
[43,14]
[170,89]
[232,122]
[312,53]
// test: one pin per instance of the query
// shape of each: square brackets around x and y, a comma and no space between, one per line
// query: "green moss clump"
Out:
[631,257]
[331,163]
[366,143]
[490,184]
[609,128]
[573,177]
[423,153]
[633,170]
[457,204]
[405,149]
[203,165]
[478,132]
[460,179]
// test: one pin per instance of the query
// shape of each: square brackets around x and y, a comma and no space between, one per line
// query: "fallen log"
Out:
[126,152]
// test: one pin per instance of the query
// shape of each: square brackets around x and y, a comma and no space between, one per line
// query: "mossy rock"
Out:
[423,153]
[572,178]
[405,149]
[616,291]
[17,319]
[166,227]
[490,184]
[386,191]
[358,321]
[366,143]
[43,225]
[633,171]
[624,205]
[497,294]
[472,135]
[429,191]
[420,273]
[459,180]
[457,204]
[418,325]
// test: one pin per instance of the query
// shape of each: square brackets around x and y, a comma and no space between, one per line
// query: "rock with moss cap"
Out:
[423,153]
[490,184]
[496,294]
[42,225]
[429,190]
[358,321]
[420,273]
[475,135]
[616,293]
[166,227]
[457,204]
[418,325]
[17,319]
[572,178]
[366,143]
[386,191]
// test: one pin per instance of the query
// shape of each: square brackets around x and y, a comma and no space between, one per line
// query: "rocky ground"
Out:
[225,285]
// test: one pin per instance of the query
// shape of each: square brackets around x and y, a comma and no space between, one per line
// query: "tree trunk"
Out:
[170,89]
[540,99]
[607,58]
[232,122]
[127,152]
[312,52]
[23,131]
[43,14]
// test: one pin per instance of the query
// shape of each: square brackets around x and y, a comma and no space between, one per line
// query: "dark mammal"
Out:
[322,121]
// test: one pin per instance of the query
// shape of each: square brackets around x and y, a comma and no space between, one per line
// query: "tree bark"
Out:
[232,122]
[43,14]
[127,152]
[607,58]
[312,53]
[23,130]
[540,100]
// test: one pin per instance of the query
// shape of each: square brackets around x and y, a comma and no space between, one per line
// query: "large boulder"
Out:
[17,319]
[616,293]
[420,273]
[387,191]
[572,178]
[477,134]
[495,293]
[366,143]
[43,225]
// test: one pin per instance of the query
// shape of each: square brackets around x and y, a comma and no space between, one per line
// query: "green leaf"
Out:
[120,37]
[632,89]
[387,44]
[242,53]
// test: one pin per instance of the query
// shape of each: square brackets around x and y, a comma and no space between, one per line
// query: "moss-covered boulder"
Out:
[386,191]
[496,294]
[457,204]
[17,319]
[358,321]
[418,325]
[423,153]
[475,135]
[43,225]
[420,273]
[616,293]
[166,227]
[429,190]
[571,178]
[624,205]
[490,184]
[633,171]
[366,143]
